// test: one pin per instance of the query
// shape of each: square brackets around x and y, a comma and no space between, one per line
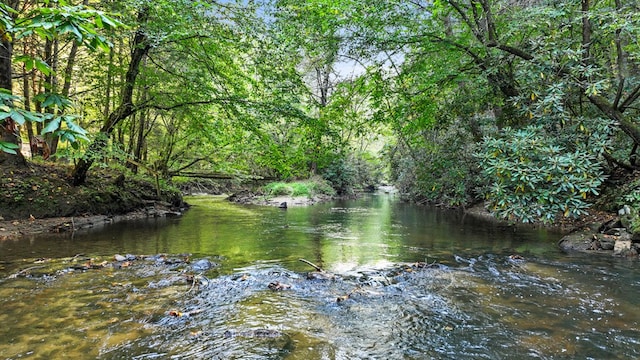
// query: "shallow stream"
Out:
[225,281]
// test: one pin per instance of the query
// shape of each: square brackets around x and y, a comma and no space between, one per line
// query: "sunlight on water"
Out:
[401,282]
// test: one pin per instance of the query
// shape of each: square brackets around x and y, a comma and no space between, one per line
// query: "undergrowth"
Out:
[309,188]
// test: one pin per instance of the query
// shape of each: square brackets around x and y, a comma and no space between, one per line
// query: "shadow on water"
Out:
[401,282]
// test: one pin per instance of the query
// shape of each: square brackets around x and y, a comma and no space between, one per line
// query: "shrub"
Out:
[307,188]
[440,171]
[341,175]
[356,172]
[534,179]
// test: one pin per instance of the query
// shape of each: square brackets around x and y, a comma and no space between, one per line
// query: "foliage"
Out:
[309,188]
[49,22]
[553,70]
[442,171]
[342,176]
[261,88]
[533,178]
[630,195]
[71,132]
[369,171]
[628,198]
[79,22]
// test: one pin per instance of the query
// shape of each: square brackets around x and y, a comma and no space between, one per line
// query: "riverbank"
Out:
[598,233]
[17,228]
[38,198]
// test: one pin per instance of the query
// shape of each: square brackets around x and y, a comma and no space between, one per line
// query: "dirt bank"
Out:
[13,229]
[38,198]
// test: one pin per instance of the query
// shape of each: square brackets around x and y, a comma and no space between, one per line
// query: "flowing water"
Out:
[224,281]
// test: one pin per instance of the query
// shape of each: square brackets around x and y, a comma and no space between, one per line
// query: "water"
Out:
[410,283]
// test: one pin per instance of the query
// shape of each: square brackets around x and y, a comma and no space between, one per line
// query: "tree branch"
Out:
[613,160]
[627,126]
[633,96]
[190,164]
[619,92]
[513,51]
[467,21]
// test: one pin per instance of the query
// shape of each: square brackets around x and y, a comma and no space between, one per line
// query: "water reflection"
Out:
[479,303]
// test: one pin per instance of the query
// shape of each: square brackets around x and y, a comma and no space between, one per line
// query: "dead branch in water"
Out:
[23,272]
[318,268]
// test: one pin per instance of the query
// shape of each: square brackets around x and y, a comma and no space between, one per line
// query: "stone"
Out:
[607,244]
[621,246]
[202,265]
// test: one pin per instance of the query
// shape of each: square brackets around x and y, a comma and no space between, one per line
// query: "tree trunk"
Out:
[140,49]
[140,138]
[27,106]
[323,83]
[613,111]
[9,131]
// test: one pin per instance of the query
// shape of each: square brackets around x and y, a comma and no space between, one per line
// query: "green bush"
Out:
[441,171]
[357,172]
[307,188]
[342,176]
[534,179]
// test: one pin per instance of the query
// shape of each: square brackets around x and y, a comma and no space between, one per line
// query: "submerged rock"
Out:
[256,333]
[202,265]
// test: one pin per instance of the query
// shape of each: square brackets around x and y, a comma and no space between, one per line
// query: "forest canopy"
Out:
[528,105]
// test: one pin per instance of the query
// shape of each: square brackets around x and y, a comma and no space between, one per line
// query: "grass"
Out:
[309,188]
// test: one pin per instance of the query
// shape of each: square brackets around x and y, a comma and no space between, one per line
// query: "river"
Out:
[224,281]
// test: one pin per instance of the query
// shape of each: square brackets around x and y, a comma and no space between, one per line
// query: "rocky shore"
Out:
[595,233]
[610,238]
[279,201]
[17,228]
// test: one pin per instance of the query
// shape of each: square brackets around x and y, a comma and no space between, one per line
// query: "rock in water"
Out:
[621,246]
[202,265]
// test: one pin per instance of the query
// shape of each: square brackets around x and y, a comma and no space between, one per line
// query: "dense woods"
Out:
[529,105]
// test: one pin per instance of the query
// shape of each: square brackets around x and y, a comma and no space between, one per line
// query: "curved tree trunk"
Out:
[141,47]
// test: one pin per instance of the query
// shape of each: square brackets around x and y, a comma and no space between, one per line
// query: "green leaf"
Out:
[73,126]
[42,66]
[106,22]
[9,148]
[52,126]
[31,116]
[99,22]
[52,99]
[17,117]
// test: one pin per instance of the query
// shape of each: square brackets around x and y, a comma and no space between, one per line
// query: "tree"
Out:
[485,65]
[21,19]
[140,49]
[196,67]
